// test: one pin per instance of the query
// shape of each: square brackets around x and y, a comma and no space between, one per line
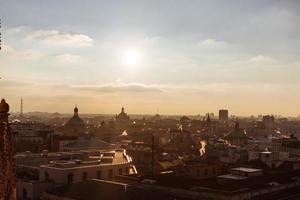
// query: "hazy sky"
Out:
[178,57]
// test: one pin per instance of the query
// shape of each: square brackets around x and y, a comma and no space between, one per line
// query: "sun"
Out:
[131,58]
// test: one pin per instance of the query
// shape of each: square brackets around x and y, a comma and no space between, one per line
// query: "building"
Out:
[122,117]
[237,136]
[240,184]
[75,125]
[40,172]
[32,136]
[290,145]
[223,116]
[105,190]
[201,170]
[268,121]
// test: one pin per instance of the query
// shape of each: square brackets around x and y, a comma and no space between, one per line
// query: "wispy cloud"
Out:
[212,44]
[258,60]
[68,58]
[262,59]
[118,87]
[58,38]
[26,54]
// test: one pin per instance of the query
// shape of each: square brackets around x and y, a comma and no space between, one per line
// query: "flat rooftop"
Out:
[111,158]
[247,170]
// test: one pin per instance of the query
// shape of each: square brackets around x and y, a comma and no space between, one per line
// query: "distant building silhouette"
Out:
[237,136]
[21,107]
[268,121]
[122,117]
[223,116]
[75,125]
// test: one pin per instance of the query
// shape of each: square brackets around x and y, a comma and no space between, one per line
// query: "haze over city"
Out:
[168,56]
[149,99]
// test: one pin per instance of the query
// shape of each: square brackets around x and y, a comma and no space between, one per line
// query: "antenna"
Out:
[21,106]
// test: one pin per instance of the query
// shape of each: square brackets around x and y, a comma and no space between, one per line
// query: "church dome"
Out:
[237,133]
[75,122]
[122,117]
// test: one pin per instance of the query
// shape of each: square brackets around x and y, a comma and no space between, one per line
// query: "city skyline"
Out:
[170,56]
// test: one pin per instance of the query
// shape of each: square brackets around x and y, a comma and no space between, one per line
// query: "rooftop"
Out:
[247,170]
[106,190]
[112,158]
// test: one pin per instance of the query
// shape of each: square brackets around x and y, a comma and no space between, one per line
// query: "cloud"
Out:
[12,83]
[212,44]
[29,54]
[261,59]
[258,61]
[26,54]
[58,38]
[120,87]
[68,58]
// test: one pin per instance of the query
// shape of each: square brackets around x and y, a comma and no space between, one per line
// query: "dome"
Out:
[76,110]
[75,123]
[122,117]
[237,132]
[184,119]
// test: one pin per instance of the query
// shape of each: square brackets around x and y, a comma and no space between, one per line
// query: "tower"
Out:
[21,111]
[208,122]
[7,164]
[75,111]
[223,116]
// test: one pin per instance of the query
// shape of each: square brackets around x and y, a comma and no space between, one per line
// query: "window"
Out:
[110,173]
[46,176]
[205,172]
[70,178]
[214,170]
[99,174]
[273,165]
[267,155]
[24,193]
[84,176]
[120,171]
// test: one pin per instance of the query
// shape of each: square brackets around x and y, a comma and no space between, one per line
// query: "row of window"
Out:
[206,172]
[99,175]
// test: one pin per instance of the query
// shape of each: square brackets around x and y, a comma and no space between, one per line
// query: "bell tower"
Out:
[7,152]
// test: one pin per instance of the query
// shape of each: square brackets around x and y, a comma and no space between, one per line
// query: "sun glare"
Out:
[131,58]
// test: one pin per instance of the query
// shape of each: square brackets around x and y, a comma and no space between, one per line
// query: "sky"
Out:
[167,57]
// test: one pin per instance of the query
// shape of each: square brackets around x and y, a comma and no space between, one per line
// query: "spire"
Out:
[208,120]
[237,125]
[122,109]
[75,111]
